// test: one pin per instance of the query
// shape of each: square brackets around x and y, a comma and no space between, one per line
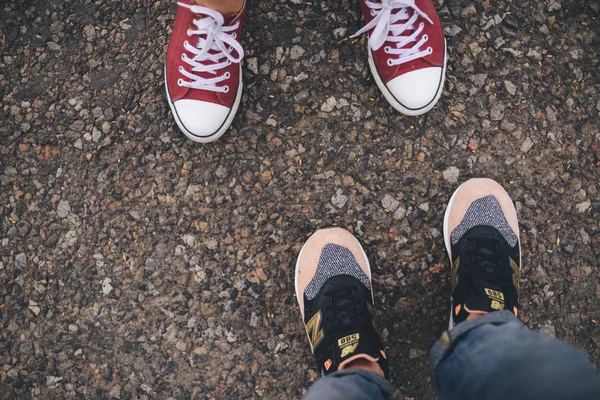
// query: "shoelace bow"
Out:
[215,50]
[389,25]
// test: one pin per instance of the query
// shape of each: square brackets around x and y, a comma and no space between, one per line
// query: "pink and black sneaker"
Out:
[203,75]
[407,52]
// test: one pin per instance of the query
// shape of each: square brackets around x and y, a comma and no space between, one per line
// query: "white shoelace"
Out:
[389,26]
[214,51]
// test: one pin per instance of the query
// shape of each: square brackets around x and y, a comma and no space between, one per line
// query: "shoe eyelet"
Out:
[430,50]
[228,62]
[226,89]
[189,32]
[180,82]
[389,62]
[183,56]
[386,49]
[180,68]
[425,37]
[372,13]
[422,24]
[235,35]
[227,75]
[186,43]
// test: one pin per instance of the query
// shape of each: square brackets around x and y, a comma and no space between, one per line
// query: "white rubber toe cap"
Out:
[416,90]
[200,118]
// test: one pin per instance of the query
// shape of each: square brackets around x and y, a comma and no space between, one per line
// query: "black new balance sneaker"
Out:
[481,233]
[333,288]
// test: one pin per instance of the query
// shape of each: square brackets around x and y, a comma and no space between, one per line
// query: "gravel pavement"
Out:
[137,264]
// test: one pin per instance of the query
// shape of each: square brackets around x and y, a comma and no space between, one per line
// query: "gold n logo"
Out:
[373,318]
[516,274]
[346,351]
[454,273]
[494,294]
[348,344]
[496,297]
[315,333]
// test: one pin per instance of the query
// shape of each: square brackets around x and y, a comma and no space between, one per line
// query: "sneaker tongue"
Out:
[229,18]
[485,297]
[352,346]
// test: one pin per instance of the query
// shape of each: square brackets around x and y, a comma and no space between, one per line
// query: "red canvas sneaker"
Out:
[407,52]
[203,76]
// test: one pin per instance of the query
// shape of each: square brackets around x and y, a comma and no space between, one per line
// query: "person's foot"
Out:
[407,52]
[203,76]
[333,288]
[481,233]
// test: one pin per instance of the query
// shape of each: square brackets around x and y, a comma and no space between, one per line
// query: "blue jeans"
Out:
[492,357]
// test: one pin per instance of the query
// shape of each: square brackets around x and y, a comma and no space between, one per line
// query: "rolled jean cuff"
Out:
[387,389]
[444,346]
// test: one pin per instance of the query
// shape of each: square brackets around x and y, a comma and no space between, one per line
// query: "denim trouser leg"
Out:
[494,357]
[350,384]
[497,357]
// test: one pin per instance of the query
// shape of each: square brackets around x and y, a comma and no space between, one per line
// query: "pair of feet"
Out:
[203,73]
[333,277]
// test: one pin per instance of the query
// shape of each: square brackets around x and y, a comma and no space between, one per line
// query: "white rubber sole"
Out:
[390,97]
[446,219]
[224,127]
[449,247]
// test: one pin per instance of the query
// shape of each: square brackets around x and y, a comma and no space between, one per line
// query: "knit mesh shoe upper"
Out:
[485,211]
[335,260]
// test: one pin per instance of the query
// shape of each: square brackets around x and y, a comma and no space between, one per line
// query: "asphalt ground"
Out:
[136,264]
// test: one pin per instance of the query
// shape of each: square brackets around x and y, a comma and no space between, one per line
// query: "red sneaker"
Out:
[203,76]
[407,52]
